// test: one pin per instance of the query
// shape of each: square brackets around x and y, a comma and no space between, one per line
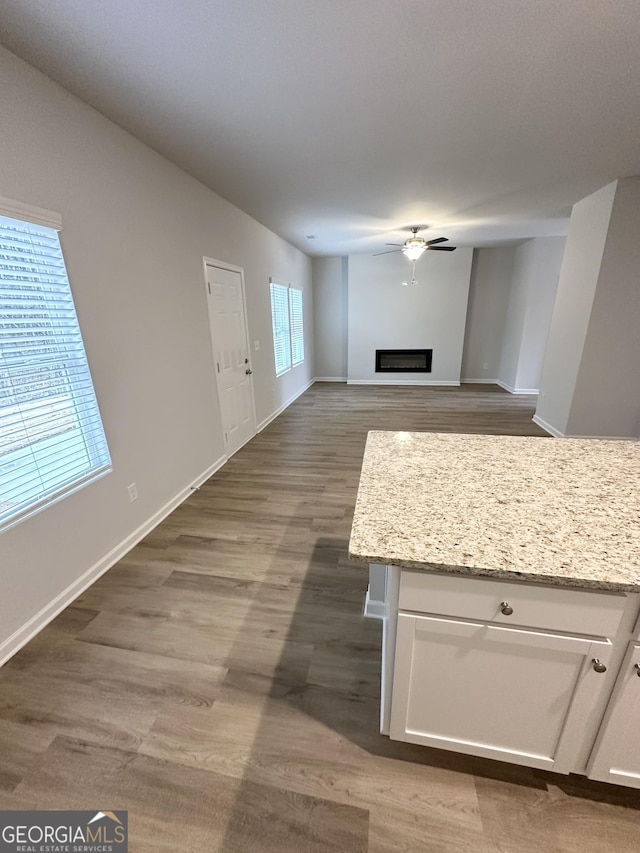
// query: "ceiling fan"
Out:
[415,246]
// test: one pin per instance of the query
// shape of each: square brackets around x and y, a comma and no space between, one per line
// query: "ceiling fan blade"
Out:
[394,244]
[442,248]
[386,253]
[437,240]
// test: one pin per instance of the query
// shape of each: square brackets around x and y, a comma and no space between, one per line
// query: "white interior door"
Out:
[227,320]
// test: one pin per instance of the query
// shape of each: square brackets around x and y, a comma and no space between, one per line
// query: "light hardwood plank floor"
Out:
[221,684]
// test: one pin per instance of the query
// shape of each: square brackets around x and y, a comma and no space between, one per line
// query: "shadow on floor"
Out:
[329,673]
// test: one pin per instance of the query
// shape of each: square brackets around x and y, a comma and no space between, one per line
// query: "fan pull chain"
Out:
[413,275]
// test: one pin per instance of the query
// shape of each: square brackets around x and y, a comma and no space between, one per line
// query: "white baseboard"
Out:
[605,437]
[240,446]
[330,379]
[501,384]
[547,427]
[373,609]
[33,626]
[516,390]
[272,417]
[557,434]
[447,382]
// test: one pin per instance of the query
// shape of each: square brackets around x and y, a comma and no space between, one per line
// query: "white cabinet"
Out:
[506,670]
[513,694]
[616,757]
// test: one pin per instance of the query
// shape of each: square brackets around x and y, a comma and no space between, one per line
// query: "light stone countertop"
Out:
[555,511]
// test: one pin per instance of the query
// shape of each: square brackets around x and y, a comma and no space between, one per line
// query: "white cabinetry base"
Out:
[523,673]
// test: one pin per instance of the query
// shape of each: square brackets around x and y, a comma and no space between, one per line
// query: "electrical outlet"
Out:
[256,345]
[133,492]
[485,364]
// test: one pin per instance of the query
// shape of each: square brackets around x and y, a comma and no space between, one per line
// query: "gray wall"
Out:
[610,368]
[572,310]
[384,315]
[590,379]
[491,278]
[535,281]
[330,309]
[136,229]
[541,260]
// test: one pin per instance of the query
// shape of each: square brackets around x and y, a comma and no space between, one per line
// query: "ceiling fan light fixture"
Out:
[413,248]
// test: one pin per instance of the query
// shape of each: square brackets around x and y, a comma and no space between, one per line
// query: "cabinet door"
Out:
[616,756]
[508,693]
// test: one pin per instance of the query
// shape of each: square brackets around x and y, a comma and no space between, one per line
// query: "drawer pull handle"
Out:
[598,666]
[636,666]
[506,608]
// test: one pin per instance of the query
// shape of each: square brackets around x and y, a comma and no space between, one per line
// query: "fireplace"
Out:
[403,360]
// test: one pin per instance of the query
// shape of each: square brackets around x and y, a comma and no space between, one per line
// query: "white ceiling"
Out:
[351,119]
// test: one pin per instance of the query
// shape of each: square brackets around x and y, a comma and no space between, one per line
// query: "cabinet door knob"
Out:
[506,609]
[598,666]
[248,371]
[636,666]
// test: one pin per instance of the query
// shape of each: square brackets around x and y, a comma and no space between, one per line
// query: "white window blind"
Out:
[296,325]
[51,437]
[288,326]
[280,322]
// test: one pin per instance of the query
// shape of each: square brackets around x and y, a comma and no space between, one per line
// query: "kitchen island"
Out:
[511,576]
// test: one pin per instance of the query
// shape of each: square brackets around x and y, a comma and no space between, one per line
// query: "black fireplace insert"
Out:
[403,360]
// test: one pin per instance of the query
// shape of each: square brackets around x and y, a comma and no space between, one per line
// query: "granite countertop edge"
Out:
[564,581]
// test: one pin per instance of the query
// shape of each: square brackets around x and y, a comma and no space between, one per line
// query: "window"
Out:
[51,436]
[288,329]
[280,321]
[295,325]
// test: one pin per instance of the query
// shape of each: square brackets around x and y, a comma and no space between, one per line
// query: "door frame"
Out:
[224,265]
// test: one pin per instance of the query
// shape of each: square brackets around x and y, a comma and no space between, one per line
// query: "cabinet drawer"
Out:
[536,606]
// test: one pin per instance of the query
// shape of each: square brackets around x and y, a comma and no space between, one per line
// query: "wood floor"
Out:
[221,684]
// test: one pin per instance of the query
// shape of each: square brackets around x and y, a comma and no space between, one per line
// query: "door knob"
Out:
[598,666]
[506,609]
[636,666]
[248,371]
